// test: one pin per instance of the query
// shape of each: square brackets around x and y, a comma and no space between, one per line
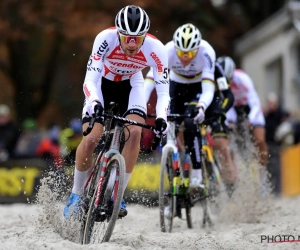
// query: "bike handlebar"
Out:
[170,116]
[123,120]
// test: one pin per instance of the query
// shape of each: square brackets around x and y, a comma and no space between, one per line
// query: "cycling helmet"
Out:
[133,21]
[228,65]
[187,37]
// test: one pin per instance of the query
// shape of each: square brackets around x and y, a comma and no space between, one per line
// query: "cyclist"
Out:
[114,74]
[216,114]
[246,105]
[192,65]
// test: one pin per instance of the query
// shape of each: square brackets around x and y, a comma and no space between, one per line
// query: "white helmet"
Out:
[133,21]
[228,65]
[187,37]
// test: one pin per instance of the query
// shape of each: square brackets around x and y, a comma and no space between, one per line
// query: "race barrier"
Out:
[19,180]
[290,171]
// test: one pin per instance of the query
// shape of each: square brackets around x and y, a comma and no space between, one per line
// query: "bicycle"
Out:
[103,191]
[212,179]
[174,180]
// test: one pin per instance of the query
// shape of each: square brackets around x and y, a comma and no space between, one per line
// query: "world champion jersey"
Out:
[200,69]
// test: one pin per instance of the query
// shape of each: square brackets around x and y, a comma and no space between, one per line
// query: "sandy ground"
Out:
[24,227]
[245,218]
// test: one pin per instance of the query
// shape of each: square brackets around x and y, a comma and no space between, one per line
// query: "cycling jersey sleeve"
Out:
[224,87]
[149,84]
[208,78]
[161,79]
[95,66]
[253,100]
[228,99]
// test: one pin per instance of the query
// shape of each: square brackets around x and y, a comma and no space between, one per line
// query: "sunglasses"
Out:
[190,54]
[129,39]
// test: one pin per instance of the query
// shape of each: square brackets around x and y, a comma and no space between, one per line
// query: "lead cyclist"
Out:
[192,64]
[114,73]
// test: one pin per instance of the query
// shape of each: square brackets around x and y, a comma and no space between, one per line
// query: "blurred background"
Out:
[45,46]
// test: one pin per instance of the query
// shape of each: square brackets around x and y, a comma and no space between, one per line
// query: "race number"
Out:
[222,83]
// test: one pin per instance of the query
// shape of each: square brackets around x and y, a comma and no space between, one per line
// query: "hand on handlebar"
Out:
[95,108]
[161,127]
[199,114]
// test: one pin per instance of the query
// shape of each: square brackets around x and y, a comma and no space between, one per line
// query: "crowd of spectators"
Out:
[55,145]
[282,131]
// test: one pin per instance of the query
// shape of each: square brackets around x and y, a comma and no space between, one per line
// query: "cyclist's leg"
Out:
[134,105]
[192,140]
[178,98]
[84,158]
[221,145]
[259,135]
[132,145]
[259,138]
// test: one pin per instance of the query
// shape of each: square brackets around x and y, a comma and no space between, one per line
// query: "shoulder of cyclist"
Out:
[157,58]
[240,77]
[208,54]
[102,43]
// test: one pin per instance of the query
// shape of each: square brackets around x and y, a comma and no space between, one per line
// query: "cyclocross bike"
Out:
[103,191]
[174,192]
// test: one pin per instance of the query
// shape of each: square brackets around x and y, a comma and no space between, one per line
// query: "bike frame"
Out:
[114,148]
[207,150]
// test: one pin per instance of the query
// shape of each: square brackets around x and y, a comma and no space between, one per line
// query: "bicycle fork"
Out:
[114,149]
[181,175]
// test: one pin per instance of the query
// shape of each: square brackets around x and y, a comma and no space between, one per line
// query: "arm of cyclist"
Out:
[253,100]
[208,78]
[94,71]
[161,79]
[223,86]
[149,84]
[208,86]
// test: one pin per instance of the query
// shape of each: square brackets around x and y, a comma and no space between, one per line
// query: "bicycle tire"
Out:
[188,212]
[166,169]
[115,162]
[204,202]
[89,193]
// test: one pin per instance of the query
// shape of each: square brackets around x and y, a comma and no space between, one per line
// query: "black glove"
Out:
[161,127]
[95,108]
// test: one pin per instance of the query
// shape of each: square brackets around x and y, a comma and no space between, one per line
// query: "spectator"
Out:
[9,134]
[287,133]
[273,116]
[70,139]
[29,140]
[49,149]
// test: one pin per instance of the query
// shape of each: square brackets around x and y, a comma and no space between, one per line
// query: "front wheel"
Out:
[166,199]
[101,219]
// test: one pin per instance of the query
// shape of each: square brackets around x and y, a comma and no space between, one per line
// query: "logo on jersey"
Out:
[86,91]
[161,82]
[158,62]
[127,65]
[94,69]
[209,60]
[90,61]
[103,46]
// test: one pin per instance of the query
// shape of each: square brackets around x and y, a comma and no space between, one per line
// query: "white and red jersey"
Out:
[201,69]
[245,94]
[108,60]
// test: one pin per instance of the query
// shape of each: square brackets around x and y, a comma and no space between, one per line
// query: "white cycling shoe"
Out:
[196,183]
[167,212]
